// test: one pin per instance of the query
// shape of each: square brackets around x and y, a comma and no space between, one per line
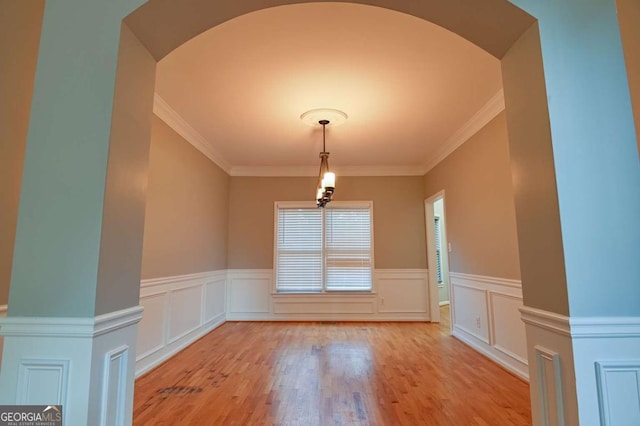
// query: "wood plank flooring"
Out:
[254,373]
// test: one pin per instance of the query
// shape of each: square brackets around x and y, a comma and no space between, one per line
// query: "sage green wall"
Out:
[479,208]
[62,199]
[20,23]
[398,215]
[186,221]
[595,149]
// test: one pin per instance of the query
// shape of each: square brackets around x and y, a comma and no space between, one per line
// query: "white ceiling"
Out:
[412,90]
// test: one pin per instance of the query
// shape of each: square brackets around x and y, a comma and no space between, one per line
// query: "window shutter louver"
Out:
[299,246]
[348,249]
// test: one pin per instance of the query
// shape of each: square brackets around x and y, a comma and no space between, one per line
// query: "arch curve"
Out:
[492,25]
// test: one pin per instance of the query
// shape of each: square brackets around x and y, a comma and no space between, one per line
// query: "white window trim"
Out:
[311,204]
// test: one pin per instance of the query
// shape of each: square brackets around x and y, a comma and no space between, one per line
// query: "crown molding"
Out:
[167,114]
[289,171]
[493,107]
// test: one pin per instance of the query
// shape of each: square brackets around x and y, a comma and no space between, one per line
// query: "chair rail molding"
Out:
[594,372]
[68,361]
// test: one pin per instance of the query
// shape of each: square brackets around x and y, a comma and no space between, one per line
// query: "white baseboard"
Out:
[83,364]
[515,366]
[485,315]
[592,362]
[151,361]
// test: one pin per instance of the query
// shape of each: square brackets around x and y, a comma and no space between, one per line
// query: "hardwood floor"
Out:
[254,373]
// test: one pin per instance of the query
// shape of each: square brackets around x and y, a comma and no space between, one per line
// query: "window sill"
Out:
[326,294]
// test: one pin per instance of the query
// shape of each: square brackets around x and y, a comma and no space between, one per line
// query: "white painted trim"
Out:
[290,171]
[174,120]
[433,292]
[151,282]
[212,325]
[582,327]
[347,306]
[542,356]
[605,327]
[395,273]
[490,110]
[506,346]
[480,346]
[159,292]
[122,355]
[444,303]
[602,384]
[550,321]
[490,280]
[27,365]
[64,358]
[234,273]
[69,327]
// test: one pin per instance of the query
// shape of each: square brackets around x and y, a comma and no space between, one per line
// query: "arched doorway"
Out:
[105,209]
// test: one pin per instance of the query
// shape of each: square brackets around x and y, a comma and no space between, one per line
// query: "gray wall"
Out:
[398,215]
[480,214]
[185,228]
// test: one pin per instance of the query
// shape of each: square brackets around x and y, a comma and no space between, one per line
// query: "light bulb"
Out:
[319,194]
[329,180]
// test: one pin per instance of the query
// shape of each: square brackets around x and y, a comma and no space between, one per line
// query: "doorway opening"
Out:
[438,249]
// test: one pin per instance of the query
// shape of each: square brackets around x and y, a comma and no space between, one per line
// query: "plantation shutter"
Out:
[348,248]
[299,250]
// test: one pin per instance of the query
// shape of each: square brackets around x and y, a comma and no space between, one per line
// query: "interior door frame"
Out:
[433,293]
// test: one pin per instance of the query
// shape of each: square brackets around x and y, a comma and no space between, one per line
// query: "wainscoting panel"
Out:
[399,295]
[177,311]
[250,292]
[471,312]
[80,363]
[310,306]
[402,291]
[486,316]
[214,303]
[150,335]
[41,381]
[549,376]
[619,392]
[114,387]
[507,331]
[185,313]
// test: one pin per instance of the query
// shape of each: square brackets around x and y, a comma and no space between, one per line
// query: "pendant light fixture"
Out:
[326,178]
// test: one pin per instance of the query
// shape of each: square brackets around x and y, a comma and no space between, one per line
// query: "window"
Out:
[328,249]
